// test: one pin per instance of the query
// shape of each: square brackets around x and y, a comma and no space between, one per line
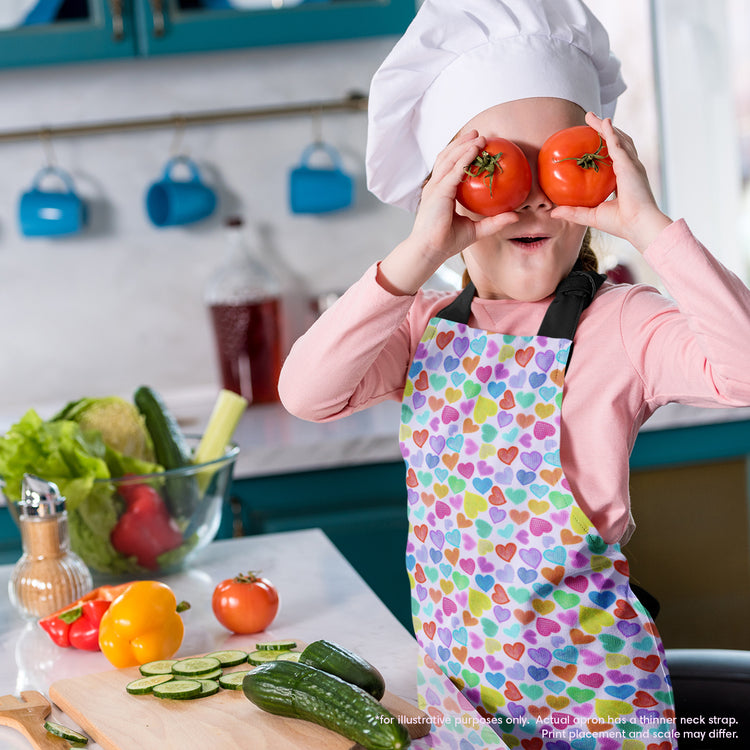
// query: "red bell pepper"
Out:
[77,624]
[145,530]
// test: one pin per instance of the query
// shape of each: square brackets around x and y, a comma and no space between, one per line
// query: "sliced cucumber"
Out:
[289,656]
[208,687]
[286,645]
[196,666]
[229,658]
[145,685]
[178,689]
[233,680]
[67,734]
[163,666]
[262,657]
[214,674]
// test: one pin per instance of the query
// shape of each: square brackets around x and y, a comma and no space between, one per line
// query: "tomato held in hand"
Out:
[498,180]
[245,604]
[575,168]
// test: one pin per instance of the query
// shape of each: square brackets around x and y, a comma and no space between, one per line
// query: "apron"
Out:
[516,598]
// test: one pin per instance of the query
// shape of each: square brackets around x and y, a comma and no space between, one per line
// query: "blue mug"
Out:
[51,213]
[315,190]
[171,202]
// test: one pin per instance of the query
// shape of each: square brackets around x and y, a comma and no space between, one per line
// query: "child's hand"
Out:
[439,232]
[632,214]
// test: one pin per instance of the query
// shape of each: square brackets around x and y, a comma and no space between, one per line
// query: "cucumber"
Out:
[196,666]
[286,645]
[297,690]
[230,657]
[67,734]
[288,656]
[178,689]
[144,685]
[233,680]
[261,657]
[208,687]
[171,449]
[162,666]
[336,660]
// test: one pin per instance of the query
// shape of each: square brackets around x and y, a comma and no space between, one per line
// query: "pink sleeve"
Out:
[692,349]
[355,355]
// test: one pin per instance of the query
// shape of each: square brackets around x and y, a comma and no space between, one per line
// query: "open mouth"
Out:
[530,241]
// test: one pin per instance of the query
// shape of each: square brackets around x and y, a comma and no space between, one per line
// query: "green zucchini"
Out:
[171,450]
[297,690]
[336,660]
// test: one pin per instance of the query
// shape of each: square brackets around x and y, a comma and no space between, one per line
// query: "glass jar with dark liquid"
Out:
[244,300]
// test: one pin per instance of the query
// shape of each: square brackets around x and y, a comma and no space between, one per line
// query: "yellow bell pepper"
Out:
[142,624]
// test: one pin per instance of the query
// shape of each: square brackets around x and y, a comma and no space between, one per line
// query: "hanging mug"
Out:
[315,190]
[51,213]
[171,202]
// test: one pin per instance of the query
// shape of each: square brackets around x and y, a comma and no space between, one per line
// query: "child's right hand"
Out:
[439,231]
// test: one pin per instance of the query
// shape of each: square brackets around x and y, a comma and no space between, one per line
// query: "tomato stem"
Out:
[485,165]
[589,161]
[249,577]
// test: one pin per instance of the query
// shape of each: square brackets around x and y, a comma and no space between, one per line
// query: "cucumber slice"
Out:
[195,666]
[163,666]
[262,657]
[233,680]
[214,674]
[67,734]
[289,656]
[178,689]
[229,658]
[208,687]
[145,685]
[286,645]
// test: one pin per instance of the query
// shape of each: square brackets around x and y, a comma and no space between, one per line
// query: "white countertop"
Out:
[272,441]
[321,597]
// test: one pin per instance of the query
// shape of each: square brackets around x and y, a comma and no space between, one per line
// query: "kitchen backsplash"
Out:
[122,304]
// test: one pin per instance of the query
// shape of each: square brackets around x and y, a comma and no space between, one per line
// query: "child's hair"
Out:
[587,260]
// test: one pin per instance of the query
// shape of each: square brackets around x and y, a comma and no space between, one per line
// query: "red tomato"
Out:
[575,168]
[245,604]
[498,180]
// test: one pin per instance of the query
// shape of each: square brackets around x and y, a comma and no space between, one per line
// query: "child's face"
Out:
[504,266]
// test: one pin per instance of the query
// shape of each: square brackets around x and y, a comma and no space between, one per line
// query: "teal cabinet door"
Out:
[173,26]
[79,30]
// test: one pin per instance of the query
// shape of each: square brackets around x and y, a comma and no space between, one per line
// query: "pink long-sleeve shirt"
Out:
[635,350]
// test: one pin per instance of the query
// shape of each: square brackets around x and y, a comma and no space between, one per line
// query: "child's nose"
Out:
[537,199]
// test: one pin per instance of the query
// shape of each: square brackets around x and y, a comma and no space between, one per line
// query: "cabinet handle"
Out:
[118,29]
[157,16]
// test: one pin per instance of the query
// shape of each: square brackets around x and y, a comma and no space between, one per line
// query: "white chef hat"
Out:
[460,57]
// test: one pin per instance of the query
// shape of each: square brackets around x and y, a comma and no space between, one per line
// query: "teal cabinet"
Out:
[87,30]
[362,510]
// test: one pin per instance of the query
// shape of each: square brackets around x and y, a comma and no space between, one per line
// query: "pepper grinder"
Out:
[49,575]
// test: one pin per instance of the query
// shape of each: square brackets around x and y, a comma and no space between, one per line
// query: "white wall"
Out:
[122,305]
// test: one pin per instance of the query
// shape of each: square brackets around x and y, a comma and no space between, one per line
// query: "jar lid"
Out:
[39,497]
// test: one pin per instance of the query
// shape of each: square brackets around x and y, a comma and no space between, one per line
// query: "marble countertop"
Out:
[321,597]
[273,442]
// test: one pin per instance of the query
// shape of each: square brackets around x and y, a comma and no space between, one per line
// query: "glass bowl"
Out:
[146,525]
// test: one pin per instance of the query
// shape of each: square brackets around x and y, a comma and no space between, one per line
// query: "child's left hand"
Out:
[632,214]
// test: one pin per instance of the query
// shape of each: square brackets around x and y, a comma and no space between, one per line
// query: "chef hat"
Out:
[460,57]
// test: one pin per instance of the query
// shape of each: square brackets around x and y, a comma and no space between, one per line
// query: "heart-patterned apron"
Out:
[516,598]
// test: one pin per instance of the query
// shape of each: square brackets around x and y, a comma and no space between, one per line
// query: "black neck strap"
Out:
[572,296]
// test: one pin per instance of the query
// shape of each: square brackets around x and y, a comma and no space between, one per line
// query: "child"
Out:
[518,497]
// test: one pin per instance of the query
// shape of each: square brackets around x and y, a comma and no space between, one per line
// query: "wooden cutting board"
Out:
[116,720]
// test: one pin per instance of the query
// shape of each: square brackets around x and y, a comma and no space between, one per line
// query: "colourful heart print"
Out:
[516,598]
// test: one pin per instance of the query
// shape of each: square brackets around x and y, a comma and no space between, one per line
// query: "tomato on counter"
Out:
[245,603]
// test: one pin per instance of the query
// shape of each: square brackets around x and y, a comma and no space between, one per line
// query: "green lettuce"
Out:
[79,463]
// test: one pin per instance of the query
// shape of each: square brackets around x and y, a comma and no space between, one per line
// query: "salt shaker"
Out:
[49,574]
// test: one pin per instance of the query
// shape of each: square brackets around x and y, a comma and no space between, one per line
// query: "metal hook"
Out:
[176,148]
[45,136]
[317,124]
